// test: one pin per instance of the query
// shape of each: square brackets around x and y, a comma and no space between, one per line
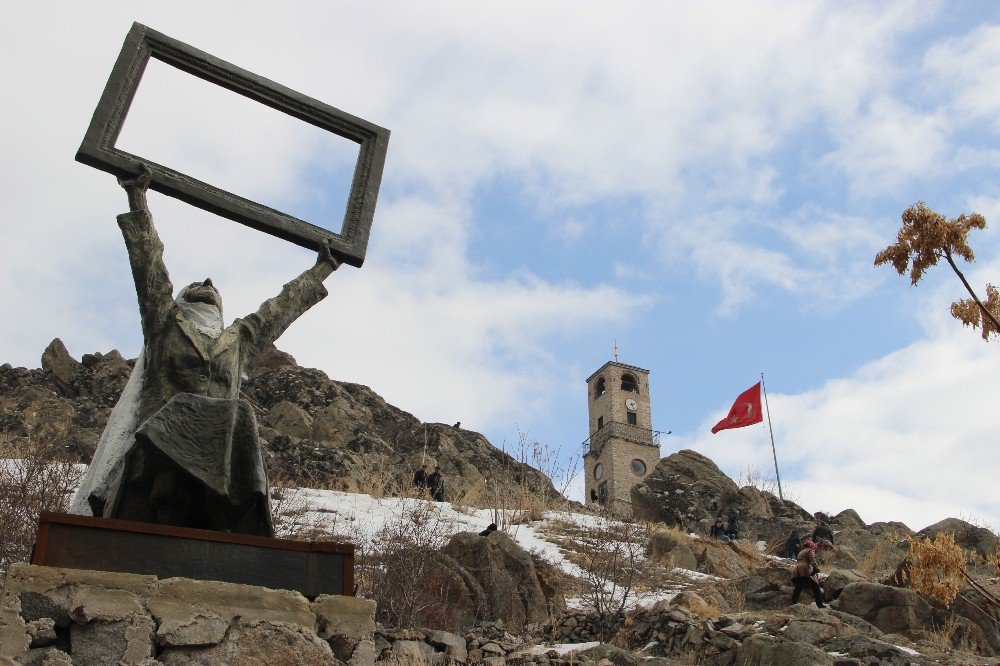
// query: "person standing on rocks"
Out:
[420,479]
[435,483]
[793,545]
[822,534]
[733,528]
[804,575]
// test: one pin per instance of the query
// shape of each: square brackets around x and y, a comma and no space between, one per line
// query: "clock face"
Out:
[630,403]
[598,471]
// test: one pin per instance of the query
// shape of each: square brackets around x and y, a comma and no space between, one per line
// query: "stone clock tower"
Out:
[623,447]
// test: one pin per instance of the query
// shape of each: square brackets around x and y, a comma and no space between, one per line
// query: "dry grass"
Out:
[377,478]
[943,637]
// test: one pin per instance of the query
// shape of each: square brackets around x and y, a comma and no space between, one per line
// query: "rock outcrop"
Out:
[688,490]
[970,537]
[315,430]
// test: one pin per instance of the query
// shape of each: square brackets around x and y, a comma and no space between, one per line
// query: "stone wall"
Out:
[62,616]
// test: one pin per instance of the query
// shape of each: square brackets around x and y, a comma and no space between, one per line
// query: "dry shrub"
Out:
[994,559]
[35,476]
[611,569]
[404,572]
[936,567]
[515,499]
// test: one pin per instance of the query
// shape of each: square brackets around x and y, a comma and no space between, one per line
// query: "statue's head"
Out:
[201,292]
[201,304]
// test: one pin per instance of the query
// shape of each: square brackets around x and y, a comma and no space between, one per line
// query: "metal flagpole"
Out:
[777,474]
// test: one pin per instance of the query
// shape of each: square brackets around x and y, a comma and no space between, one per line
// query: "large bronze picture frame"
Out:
[141,44]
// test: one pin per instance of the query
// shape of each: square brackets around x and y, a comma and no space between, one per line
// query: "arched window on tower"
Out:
[600,388]
[629,385]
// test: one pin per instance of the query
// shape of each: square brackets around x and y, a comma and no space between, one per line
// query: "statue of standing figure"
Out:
[180,447]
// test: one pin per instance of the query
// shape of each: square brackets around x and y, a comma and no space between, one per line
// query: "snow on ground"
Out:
[563,648]
[695,575]
[361,518]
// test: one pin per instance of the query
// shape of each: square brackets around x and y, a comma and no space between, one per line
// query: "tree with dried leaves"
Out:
[926,237]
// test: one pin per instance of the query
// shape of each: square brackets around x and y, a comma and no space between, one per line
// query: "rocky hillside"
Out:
[317,431]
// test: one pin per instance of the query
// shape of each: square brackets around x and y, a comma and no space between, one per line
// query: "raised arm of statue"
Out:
[277,314]
[145,254]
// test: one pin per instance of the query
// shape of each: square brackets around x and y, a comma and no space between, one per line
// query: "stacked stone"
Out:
[668,630]
[490,641]
[61,616]
[420,646]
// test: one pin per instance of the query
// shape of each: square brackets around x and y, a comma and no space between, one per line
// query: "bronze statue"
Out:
[180,447]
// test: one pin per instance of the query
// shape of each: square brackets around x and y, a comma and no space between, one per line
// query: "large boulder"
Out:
[893,610]
[768,587]
[63,368]
[763,650]
[978,539]
[519,589]
[688,490]
[683,489]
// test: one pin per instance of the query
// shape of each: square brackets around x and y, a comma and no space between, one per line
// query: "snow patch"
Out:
[563,648]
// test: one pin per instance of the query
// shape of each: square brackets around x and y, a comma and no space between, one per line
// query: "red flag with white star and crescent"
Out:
[745,411]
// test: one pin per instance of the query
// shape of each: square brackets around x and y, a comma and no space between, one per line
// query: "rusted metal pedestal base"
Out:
[102,544]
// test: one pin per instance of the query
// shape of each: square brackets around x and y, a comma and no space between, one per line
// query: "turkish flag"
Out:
[745,411]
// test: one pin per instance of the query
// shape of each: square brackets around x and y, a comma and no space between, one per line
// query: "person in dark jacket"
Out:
[435,483]
[489,530]
[823,533]
[793,545]
[420,478]
[718,531]
[804,574]
[733,528]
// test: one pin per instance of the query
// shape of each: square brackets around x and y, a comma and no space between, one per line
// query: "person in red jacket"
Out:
[804,574]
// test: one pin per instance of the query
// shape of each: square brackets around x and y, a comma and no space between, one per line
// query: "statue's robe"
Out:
[194,458]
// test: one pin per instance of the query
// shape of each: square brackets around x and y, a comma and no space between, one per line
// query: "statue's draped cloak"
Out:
[179,429]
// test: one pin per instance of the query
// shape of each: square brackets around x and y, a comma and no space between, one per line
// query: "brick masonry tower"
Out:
[622,448]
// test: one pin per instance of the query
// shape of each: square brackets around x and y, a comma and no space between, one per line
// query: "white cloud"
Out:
[889,145]
[967,69]
[907,437]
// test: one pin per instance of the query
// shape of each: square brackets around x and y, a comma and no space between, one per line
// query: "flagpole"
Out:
[777,474]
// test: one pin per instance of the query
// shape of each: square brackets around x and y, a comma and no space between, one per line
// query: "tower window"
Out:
[638,467]
[600,422]
[600,388]
[631,418]
[629,384]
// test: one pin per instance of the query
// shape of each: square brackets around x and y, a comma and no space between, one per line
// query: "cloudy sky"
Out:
[706,183]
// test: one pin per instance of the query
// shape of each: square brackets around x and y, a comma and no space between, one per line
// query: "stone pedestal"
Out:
[101,544]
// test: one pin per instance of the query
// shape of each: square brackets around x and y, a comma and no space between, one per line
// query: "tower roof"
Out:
[634,368]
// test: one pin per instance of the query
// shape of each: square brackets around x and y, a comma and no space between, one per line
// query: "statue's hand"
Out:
[136,189]
[326,255]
